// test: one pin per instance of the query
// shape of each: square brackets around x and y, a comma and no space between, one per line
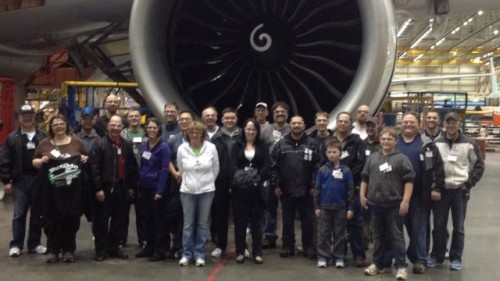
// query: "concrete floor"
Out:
[482,249]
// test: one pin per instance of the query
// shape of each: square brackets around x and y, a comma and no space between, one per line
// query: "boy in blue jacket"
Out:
[333,200]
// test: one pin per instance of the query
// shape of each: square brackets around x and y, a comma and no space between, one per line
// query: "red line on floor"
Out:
[221,264]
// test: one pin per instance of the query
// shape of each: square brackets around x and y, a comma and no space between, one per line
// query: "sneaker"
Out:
[432,262]
[402,274]
[68,257]
[322,263]
[456,265]
[2,192]
[248,230]
[418,268]
[184,261]
[52,258]
[447,254]
[339,263]
[40,249]
[200,262]
[247,254]
[217,253]
[14,252]
[373,270]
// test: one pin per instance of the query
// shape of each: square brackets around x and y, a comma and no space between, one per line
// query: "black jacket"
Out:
[432,171]
[223,143]
[103,165]
[11,158]
[261,161]
[294,165]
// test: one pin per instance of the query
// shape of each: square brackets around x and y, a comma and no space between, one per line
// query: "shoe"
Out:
[118,254]
[248,230]
[40,249]
[359,262]
[373,270]
[339,263]
[100,257]
[14,252]
[401,274]
[178,254]
[322,263]
[447,254]
[310,253]
[143,254]
[200,262]
[258,260]
[68,257]
[268,243]
[2,192]
[52,258]
[456,265]
[156,257]
[247,254]
[431,262]
[418,268]
[217,253]
[287,252]
[240,259]
[183,261]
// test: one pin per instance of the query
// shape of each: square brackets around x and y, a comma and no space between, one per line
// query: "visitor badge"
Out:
[345,154]
[30,145]
[385,167]
[367,152]
[146,155]
[137,140]
[428,154]
[421,157]
[119,151]
[276,135]
[452,158]
[337,174]
[55,153]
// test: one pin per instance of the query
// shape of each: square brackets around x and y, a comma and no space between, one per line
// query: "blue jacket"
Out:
[154,166]
[331,192]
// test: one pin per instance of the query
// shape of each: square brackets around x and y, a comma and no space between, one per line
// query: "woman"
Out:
[249,205]
[155,158]
[198,164]
[61,196]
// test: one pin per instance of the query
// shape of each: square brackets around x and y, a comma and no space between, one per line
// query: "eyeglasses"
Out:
[134,116]
[58,125]
[154,128]
[386,139]
[195,133]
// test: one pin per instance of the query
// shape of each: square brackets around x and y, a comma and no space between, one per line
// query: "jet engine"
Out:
[329,55]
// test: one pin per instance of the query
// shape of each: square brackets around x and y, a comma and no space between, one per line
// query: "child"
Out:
[333,200]
[386,187]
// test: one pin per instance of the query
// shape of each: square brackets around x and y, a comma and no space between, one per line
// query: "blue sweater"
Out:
[154,166]
[334,192]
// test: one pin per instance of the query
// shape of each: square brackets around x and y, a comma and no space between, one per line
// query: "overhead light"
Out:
[440,41]
[404,54]
[466,23]
[429,29]
[495,32]
[432,47]
[419,57]
[470,20]
[403,27]
[479,13]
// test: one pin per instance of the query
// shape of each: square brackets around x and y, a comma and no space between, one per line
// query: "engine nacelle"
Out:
[329,55]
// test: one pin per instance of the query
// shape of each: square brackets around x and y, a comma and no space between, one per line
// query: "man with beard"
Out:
[432,130]
[170,128]
[111,103]
[362,115]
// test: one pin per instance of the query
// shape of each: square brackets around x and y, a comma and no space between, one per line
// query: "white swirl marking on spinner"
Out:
[263,36]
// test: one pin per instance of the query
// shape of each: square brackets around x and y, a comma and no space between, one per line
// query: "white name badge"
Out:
[421,157]
[345,154]
[452,158]
[367,152]
[119,151]
[55,153]
[428,154]
[30,145]
[146,155]
[337,174]
[137,140]
[384,167]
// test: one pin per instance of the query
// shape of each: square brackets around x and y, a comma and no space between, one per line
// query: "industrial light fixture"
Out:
[403,27]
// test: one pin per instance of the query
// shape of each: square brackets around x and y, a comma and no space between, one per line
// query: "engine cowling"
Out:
[329,55]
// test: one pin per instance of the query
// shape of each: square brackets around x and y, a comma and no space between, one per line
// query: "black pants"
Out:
[289,207]
[108,220]
[248,209]
[61,234]
[220,217]
[154,221]
[139,221]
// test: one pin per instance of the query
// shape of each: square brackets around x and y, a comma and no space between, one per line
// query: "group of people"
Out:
[183,176]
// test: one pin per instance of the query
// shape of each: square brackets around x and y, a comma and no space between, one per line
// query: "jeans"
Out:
[270,216]
[22,202]
[416,226]
[196,209]
[332,222]
[289,206]
[456,201]
[387,228]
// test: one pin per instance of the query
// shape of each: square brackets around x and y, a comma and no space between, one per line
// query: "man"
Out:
[464,167]
[115,174]
[87,131]
[171,127]
[134,134]
[266,129]
[173,211]
[432,130]
[17,174]
[209,118]
[353,156]
[359,127]
[223,140]
[322,132]
[280,129]
[295,158]
[111,103]
[428,166]
[372,144]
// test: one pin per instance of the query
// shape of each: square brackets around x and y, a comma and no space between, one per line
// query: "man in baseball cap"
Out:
[451,115]
[25,109]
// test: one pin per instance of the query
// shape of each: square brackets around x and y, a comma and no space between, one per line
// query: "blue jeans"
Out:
[456,201]
[196,209]
[270,216]
[22,201]
[416,226]
[387,229]
[355,230]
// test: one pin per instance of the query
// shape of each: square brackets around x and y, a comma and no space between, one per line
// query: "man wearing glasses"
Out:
[464,167]
[171,114]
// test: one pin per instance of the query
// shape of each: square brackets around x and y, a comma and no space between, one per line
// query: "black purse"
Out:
[246,179]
